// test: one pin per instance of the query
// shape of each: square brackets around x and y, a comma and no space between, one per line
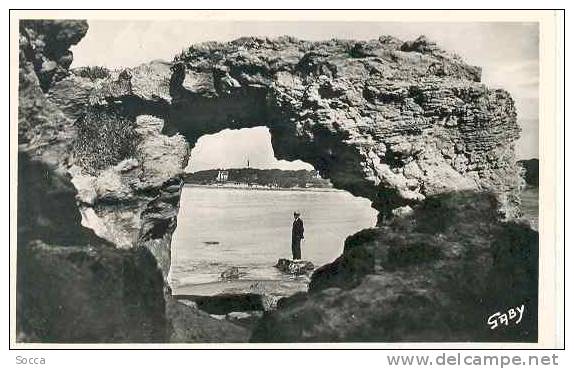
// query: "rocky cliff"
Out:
[98,195]
[72,286]
[101,155]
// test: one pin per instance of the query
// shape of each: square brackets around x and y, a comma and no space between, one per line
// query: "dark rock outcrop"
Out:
[226,303]
[436,275]
[89,293]
[230,273]
[46,45]
[190,325]
[246,319]
[531,171]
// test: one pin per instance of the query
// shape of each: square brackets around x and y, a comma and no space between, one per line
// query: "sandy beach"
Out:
[269,287]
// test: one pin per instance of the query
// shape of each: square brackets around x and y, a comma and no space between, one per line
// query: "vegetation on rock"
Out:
[104,139]
[93,73]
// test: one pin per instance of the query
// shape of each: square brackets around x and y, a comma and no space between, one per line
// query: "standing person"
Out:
[297,236]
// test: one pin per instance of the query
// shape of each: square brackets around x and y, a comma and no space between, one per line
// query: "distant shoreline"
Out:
[262,188]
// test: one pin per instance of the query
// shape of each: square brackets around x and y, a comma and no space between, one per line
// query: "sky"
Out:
[233,148]
[507,53]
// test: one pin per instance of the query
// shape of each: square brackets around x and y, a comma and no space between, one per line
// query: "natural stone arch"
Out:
[390,121]
[194,112]
[395,121]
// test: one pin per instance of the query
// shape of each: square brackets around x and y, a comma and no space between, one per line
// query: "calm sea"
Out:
[529,198]
[219,228]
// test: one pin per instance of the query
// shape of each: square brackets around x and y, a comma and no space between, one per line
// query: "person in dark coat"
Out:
[297,236]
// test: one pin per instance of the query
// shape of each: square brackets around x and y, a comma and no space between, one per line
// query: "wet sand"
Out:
[269,287]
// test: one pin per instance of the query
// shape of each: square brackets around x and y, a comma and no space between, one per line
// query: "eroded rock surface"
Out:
[128,173]
[46,46]
[388,120]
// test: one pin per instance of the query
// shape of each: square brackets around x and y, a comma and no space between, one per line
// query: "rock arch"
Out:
[388,120]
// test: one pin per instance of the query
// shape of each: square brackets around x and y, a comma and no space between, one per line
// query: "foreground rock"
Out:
[88,294]
[189,325]
[436,275]
[73,286]
[46,45]
[246,319]
[226,303]
[295,267]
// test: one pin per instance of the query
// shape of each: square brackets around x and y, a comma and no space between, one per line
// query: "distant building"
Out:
[222,176]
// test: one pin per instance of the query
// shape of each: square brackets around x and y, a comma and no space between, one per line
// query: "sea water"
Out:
[219,228]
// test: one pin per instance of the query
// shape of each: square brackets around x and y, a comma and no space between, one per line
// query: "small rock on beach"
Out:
[296,267]
[230,273]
